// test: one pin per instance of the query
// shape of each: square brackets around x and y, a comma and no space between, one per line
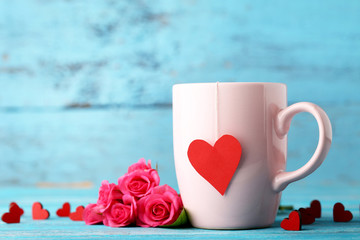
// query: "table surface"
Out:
[64,228]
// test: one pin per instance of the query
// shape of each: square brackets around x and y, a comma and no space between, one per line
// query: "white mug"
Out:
[257,116]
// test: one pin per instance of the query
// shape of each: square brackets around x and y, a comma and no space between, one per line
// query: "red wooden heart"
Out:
[38,213]
[10,217]
[78,214]
[293,223]
[216,164]
[306,216]
[340,215]
[14,214]
[315,209]
[14,208]
[64,211]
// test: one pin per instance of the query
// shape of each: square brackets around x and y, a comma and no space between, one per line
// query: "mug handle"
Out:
[282,126]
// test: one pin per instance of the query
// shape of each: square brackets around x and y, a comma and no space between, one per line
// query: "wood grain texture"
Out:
[92,145]
[85,87]
[85,91]
[56,53]
[84,145]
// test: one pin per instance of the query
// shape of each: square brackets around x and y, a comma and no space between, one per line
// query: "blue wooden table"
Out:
[63,228]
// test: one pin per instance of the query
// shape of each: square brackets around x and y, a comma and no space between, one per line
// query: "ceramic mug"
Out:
[257,115]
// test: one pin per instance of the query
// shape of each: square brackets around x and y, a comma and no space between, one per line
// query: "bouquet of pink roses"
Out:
[136,199]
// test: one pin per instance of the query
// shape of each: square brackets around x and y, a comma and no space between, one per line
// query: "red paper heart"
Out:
[78,214]
[14,214]
[293,223]
[10,217]
[64,211]
[315,209]
[216,164]
[306,216]
[340,215]
[38,213]
[14,208]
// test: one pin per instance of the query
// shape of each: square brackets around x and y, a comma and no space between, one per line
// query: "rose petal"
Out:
[92,214]
[140,165]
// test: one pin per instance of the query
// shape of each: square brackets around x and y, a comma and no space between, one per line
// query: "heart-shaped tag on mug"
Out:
[216,164]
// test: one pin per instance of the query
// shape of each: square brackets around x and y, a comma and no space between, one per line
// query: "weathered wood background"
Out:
[85,86]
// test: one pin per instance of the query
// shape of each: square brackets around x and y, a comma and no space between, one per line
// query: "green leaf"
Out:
[180,221]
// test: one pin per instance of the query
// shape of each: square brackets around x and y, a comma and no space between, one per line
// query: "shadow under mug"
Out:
[257,115]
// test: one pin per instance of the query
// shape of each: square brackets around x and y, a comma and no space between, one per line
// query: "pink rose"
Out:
[140,165]
[162,207]
[92,214]
[139,183]
[121,214]
[107,193]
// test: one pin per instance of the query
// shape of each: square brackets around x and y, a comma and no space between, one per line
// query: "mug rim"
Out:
[230,83]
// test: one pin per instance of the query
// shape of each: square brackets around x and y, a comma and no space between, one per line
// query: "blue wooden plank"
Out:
[101,144]
[55,146]
[56,53]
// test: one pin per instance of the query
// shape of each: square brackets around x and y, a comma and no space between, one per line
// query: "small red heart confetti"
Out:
[340,215]
[38,213]
[10,217]
[293,223]
[15,208]
[64,211]
[78,214]
[217,164]
[14,214]
[306,216]
[315,208]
